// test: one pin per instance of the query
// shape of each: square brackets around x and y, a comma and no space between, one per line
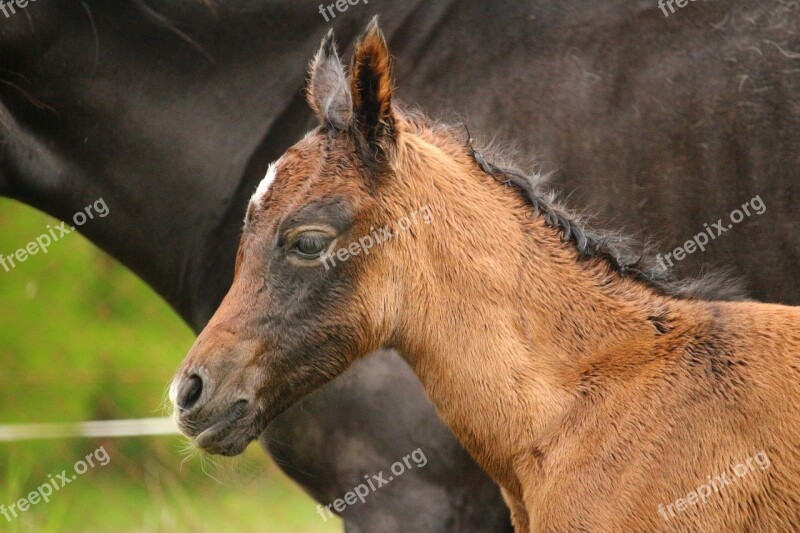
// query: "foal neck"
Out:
[501,316]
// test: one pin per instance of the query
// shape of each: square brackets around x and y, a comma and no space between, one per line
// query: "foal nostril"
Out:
[190,391]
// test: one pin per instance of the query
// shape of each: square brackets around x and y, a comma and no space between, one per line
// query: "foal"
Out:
[600,396]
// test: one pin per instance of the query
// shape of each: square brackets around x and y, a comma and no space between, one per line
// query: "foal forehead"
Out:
[318,170]
[297,161]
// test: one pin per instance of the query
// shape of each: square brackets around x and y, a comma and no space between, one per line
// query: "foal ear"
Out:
[328,91]
[372,86]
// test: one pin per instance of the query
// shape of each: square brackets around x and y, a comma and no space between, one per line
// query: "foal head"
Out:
[337,259]
[312,286]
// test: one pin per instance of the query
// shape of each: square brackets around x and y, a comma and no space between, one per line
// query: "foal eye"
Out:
[311,244]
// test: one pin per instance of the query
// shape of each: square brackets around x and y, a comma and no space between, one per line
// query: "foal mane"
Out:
[622,253]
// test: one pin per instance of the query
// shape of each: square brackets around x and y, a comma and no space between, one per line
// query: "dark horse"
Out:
[170,112]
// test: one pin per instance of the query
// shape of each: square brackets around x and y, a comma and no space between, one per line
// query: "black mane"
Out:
[617,250]
[622,253]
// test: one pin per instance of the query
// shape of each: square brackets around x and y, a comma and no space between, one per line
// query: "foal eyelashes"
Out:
[311,244]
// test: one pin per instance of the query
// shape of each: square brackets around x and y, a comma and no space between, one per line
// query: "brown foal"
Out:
[598,394]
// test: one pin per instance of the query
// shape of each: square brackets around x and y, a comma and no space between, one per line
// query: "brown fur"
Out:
[565,391]
[589,396]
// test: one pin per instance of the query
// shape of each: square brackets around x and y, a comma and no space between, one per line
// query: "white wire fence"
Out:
[97,428]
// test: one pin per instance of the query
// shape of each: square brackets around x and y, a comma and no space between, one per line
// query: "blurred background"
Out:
[81,339]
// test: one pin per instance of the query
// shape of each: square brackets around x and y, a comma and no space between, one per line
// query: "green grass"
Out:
[82,339]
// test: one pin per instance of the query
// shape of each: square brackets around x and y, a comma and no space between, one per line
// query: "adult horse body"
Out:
[170,113]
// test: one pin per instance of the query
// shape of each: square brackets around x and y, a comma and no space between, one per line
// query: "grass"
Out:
[81,338]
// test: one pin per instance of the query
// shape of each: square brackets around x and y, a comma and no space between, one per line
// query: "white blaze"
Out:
[265,184]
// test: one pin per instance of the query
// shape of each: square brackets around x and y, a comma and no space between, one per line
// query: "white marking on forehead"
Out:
[265,184]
